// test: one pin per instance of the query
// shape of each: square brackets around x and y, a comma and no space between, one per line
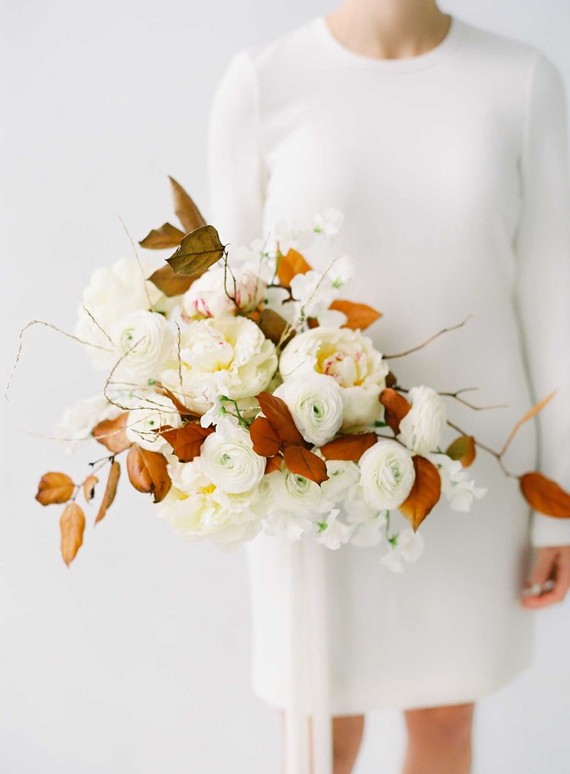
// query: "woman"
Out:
[445,147]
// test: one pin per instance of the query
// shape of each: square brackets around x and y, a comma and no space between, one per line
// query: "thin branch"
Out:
[488,449]
[139,262]
[428,341]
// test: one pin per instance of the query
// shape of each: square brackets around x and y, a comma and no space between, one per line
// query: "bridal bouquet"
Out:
[244,397]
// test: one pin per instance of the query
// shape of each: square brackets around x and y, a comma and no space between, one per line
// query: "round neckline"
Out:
[401,64]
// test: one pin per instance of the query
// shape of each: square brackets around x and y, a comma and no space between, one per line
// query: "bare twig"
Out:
[498,456]
[139,262]
[428,341]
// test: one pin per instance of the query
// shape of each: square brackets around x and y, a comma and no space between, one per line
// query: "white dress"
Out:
[451,169]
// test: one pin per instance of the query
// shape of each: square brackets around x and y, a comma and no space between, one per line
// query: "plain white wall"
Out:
[136,658]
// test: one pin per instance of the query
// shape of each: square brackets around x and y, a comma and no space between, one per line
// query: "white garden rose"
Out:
[212,294]
[152,413]
[315,403]
[350,358]
[228,354]
[231,463]
[387,474]
[421,430]
[145,342]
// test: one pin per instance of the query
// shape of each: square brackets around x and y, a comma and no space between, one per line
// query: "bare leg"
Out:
[439,740]
[347,737]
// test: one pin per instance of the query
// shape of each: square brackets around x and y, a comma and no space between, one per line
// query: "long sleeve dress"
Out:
[451,169]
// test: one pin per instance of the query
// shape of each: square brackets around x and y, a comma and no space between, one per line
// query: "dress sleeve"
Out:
[235,170]
[542,283]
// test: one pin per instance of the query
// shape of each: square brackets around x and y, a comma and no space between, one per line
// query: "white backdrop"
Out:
[136,658]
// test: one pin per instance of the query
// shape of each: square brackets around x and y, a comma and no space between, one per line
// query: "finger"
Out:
[560,588]
[543,566]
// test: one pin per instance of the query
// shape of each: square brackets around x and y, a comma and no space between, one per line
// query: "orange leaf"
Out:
[186,211]
[545,495]
[171,283]
[424,494]
[359,316]
[72,526]
[290,264]
[273,326]
[187,440]
[110,490]
[147,472]
[266,440]
[112,433]
[462,449]
[55,488]
[199,250]
[304,463]
[279,416]
[273,463]
[166,235]
[396,407]
[89,487]
[529,415]
[180,407]
[348,447]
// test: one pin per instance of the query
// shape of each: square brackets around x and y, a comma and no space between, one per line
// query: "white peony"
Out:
[231,463]
[387,474]
[152,413]
[421,430]
[77,421]
[212,294]
[350,358]
[315,403]
[227,354]
[406,546]
[145,342]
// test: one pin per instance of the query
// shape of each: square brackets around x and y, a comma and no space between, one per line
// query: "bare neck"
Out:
[389,29]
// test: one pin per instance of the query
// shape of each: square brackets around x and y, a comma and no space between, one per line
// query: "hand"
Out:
[551,565]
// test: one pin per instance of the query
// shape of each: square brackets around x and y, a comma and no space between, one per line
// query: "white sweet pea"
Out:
[77,421]
[350,358]
[406,546]
[332,532]
[458,488]
[145,342]
[328,222]
[341,271]
[387,474]
[231,463]
[421,430]
[152,413]
[315,403]
[313,292]
[369,533]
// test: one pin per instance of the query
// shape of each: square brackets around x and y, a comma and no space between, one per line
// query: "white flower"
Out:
[333,533]
[145,342]
[78,420]
[350,358]
[421,430]
[214,293]
[113,292]
[387,474]
[231,463]
[341,271]
[150,414]
[228,354]
[288,492]
[329,222]
[313,292]
[316,405]
[369,532]
[343,475]
[406,546]
[456,485]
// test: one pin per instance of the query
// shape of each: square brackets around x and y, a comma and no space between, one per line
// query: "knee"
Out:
[347,737]
[445,725]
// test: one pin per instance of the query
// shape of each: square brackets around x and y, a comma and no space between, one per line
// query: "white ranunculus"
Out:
[152,413]
[387,474]
[145,342]
[406,546]
[78,420]
[350,358]
[231,463]
[421,430]
[315,403]
[212,294]
[458,488]
[292,493]
[113,292]
[230,354]
[343,475]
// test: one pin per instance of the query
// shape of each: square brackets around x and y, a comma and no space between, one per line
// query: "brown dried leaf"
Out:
[147,472]
[197,252]
[391,380]
[396,407]
[112,433]
[425,492]
[273,326]
[462,449]
[89,487]
[273,463]
[164,236]
[187,212]
[110,490]
[279,416]
[545,495]
[348,447]
[266,440]
[187,440]
[170,283]
[304,463]
[529,415]
[55,488]
[359,316]
[180,407]
[72,526]
[290,264]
